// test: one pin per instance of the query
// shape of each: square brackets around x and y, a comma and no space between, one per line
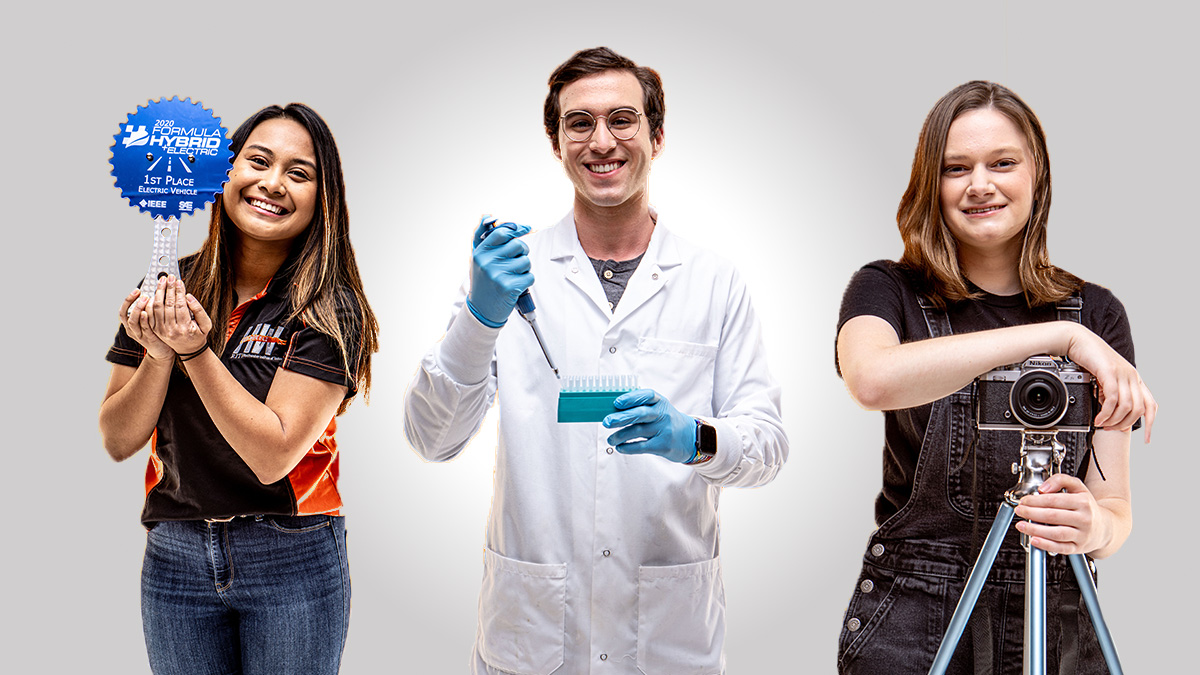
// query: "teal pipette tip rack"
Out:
[589,398]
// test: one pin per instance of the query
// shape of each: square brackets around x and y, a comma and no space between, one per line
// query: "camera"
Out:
[1043,392]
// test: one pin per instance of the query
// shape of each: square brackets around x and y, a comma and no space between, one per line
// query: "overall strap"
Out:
[980,624]
[1070,309]
[936,320]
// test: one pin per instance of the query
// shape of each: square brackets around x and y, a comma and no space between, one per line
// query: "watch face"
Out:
[708,439]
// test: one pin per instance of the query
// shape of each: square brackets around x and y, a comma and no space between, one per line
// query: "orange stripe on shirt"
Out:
[236,316]
[314,479]
[154,467]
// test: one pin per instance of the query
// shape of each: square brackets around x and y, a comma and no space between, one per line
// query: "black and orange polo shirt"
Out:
[193,473]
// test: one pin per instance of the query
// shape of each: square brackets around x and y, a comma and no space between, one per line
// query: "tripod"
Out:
[1041,456]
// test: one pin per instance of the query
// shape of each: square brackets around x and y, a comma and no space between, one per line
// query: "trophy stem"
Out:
[164,256]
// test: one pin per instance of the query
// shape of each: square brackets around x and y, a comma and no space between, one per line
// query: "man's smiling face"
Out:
[606,171]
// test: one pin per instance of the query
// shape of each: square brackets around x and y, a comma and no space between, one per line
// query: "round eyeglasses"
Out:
[623,124]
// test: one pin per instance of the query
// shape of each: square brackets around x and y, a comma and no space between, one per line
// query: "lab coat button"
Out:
[609,450]
[607,553]
[604,657]
[574,270]
[612,350]
[654,276]
[877,550]
[853,625]
[867,586]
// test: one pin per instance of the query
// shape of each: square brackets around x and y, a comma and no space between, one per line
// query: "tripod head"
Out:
[1041,457]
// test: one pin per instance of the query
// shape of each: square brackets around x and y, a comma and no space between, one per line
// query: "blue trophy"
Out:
[170,158]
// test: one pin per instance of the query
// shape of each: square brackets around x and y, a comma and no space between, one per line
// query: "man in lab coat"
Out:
[602,551]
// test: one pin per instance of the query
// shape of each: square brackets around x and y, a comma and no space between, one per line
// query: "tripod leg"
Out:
[1035,611]
[983,565]
[1088,589]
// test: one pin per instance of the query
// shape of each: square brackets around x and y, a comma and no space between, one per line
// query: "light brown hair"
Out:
[930,250]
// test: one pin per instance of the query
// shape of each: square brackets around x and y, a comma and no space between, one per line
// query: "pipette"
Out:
[526,309]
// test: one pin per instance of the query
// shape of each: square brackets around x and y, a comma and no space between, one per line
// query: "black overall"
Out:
[917,561]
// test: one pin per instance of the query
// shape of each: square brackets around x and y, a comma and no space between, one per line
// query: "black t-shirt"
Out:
[885,290]
[193,472]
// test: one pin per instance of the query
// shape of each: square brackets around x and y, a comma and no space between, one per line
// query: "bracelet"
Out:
[192,355]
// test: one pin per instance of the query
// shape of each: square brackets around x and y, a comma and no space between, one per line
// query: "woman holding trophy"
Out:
[234,374]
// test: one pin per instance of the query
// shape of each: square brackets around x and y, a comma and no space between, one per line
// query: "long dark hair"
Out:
[322,258]
[930,250]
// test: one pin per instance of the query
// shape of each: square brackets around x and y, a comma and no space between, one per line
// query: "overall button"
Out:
[877,550]
[853,625]
[867,586]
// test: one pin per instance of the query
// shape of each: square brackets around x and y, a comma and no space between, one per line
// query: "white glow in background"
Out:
[789,139]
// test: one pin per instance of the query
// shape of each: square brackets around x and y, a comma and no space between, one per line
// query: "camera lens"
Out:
[1038,396]
[1039,399]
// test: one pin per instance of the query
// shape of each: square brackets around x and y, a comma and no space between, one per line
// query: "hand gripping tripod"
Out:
[1041,456]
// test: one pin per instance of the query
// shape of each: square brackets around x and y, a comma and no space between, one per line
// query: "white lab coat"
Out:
[597,561]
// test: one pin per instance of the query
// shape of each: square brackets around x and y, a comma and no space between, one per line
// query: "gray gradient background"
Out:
[789,139]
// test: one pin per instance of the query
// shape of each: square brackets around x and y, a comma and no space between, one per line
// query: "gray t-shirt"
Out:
[614,276]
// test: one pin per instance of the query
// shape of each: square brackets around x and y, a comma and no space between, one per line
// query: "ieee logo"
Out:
[139,137]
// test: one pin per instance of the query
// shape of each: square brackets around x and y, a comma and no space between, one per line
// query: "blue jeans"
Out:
[255,595]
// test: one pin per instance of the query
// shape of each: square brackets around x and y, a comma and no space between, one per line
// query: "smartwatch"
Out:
[706,442]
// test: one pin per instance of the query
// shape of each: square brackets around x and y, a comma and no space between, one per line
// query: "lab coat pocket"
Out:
[522,615]
[681,619]
[678,369]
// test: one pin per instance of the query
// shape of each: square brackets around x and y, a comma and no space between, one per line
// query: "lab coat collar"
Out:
[652,273]
[662,249]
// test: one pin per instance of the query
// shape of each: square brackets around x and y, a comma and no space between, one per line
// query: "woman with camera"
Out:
[975,291]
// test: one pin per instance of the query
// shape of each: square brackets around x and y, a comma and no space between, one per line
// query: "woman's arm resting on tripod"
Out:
[1091,516]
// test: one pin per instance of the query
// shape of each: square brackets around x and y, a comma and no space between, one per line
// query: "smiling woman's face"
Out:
[987,183]
[272,190]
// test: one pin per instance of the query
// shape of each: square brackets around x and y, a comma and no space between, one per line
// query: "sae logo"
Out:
[139,137]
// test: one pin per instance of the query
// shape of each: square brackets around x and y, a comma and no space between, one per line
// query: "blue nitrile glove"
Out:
[499,271]
[648,416]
